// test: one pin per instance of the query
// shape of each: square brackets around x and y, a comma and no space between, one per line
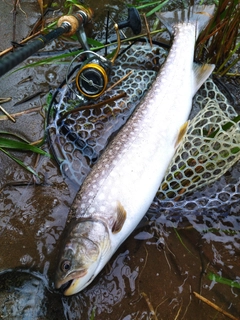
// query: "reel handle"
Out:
[133,21]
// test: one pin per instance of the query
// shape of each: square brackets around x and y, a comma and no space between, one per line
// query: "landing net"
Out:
[209,149]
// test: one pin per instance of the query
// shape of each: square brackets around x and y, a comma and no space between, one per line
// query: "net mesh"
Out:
[78,140]
[208,150]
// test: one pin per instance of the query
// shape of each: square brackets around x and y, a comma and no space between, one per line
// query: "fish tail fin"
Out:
[199,15]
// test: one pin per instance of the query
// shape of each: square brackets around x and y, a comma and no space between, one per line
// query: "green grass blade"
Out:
[157,8]
[148,4]
[14,135]
[22,164]
[180,239]
[22,146]
[219,279]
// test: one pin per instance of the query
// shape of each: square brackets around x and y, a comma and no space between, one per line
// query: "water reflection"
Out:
[163,271]
[22,295]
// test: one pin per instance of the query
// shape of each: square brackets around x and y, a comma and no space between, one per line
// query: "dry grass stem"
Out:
[214,306]
[21,42]
[18,114]
[148,30]
[119,81]
[7,114]
[186,310]
[177,315]
[145,262]
[92,106]
[160,304]
[150,306]
[3,100]
[218,42]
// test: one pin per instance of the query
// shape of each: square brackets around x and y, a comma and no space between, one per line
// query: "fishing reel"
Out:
[93,73]
[92,77]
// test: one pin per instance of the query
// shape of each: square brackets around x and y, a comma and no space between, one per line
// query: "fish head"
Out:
[77,266]
[80,258]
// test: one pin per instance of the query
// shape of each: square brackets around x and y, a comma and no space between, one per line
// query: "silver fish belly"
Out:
[121,186]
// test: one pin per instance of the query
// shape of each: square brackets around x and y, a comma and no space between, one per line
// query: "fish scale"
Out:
[122,184]
[129,156]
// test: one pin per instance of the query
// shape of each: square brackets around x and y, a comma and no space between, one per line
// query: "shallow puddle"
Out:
[155,272]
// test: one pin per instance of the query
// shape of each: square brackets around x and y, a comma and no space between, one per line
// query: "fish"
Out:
[120,188]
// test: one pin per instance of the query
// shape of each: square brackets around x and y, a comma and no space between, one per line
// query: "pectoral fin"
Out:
[120,218]
[181,133]
[201,73]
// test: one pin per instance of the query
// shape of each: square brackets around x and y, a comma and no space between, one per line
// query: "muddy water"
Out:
[153,274]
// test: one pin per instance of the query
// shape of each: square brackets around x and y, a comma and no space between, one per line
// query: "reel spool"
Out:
[92,79]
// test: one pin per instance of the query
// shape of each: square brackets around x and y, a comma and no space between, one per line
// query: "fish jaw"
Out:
[81,257]
[77,281]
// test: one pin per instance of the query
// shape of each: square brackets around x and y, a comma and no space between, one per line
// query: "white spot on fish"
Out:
[91,210]
[114,162]
[101,196]
[113,173]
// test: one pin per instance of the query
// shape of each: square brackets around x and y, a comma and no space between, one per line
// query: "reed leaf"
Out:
[218,42]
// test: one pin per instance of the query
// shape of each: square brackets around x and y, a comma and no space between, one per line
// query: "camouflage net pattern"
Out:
[209,149]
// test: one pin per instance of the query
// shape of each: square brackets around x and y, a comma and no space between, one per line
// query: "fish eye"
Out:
[65,265]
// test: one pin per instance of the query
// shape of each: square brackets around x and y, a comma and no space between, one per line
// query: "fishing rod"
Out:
[93,74]
[67,25]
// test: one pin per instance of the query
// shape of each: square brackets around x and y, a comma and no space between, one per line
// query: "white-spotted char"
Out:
[121,186]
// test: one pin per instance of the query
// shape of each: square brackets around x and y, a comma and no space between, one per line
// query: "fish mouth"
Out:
[73,287]
[72,284]
[64,287]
